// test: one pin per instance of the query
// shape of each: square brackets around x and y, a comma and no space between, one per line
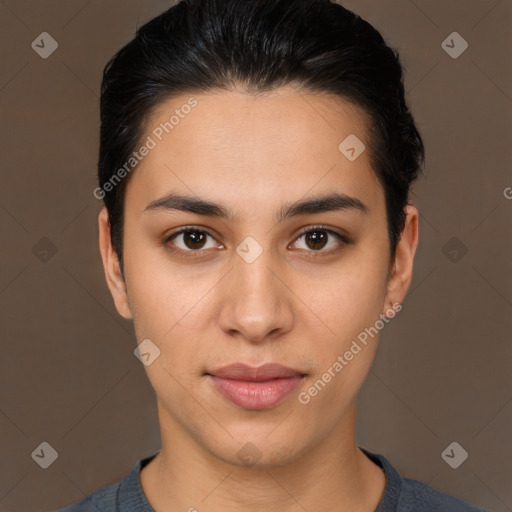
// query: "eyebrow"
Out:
[319,204]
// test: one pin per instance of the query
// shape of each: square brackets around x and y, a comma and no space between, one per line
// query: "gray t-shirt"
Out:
[400,494]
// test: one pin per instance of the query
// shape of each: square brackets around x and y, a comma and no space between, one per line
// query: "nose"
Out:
[257,303]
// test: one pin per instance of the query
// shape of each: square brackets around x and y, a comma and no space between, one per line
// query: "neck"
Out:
[333,475]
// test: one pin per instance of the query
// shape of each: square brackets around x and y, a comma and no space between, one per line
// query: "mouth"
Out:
[256,388]
[265,372]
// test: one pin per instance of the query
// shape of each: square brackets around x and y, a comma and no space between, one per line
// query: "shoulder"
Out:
[126,495]
[104,499]
[420,497]
[403,494]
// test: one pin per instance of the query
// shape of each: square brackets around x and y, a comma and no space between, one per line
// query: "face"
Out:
[255,280]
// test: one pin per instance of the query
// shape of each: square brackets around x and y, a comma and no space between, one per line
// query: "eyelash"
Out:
[314,254]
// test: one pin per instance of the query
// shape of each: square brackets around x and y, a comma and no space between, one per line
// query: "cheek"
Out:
[353,296]
[160,293]
[350,306]
[345,353]
[168,306]
[167,298]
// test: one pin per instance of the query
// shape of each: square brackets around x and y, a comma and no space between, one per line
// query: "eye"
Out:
[317,238]
[192,239]
[189,240]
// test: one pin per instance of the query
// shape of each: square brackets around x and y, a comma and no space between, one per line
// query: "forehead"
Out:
[233,144]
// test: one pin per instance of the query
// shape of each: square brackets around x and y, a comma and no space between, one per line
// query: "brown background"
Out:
[68,373]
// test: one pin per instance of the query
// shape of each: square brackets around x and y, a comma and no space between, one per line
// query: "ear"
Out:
[115,280]
[401,273]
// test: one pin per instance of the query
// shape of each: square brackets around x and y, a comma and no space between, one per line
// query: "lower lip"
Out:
[256,395]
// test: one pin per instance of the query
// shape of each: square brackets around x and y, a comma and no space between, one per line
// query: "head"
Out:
[246,109]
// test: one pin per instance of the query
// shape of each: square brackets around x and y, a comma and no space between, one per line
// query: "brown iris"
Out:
[196,238]
[318,239]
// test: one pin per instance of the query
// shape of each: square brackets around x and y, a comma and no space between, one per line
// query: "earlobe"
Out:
[113,275]
[401,274]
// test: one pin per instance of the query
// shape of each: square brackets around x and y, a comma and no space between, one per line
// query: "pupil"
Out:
[318,238]
[196,237]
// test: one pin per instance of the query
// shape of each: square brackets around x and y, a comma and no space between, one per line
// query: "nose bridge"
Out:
[257,303]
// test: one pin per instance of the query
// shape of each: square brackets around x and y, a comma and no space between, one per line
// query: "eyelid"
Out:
[343,239]
[180,231]
[323,227]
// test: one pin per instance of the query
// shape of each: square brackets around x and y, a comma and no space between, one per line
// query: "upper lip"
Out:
[241,371]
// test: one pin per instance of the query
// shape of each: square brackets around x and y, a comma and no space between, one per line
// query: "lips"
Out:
[256,388]
[269,371]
